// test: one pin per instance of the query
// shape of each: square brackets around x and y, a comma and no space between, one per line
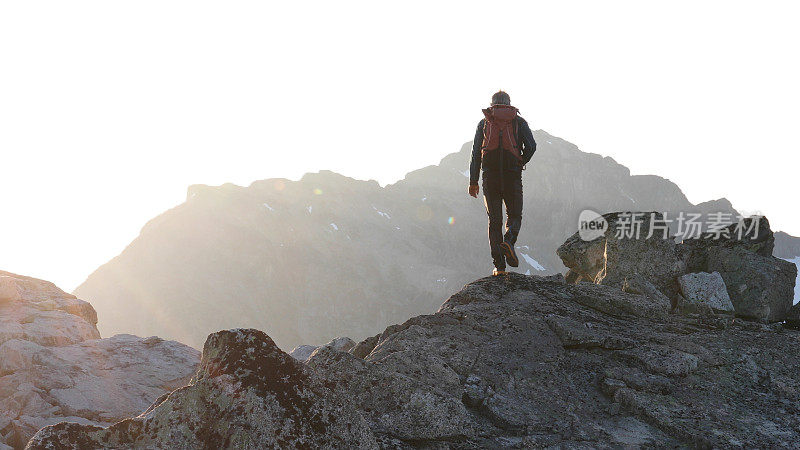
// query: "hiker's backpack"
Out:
[500,130]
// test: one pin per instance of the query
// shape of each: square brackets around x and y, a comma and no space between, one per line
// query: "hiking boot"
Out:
[510,254]
[497,272]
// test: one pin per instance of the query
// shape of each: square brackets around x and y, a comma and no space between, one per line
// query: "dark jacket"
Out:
[527,144]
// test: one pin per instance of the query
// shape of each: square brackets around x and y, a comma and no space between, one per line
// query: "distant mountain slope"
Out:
[312,259]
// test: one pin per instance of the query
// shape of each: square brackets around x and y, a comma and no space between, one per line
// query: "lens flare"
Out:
[317,191]
[451,220]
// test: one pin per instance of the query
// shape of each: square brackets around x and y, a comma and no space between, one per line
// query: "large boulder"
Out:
[760,287]
[707,289]
[54,367]
[247,394]
[752,234]
[651,256]
[633,245]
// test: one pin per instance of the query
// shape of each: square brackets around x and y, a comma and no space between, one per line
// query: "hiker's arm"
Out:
[529,144]
[475,165]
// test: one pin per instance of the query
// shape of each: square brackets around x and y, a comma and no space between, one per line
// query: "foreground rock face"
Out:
[247,394]
[512,361]
[54,367]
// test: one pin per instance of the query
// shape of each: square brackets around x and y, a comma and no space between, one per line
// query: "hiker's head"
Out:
[501,98]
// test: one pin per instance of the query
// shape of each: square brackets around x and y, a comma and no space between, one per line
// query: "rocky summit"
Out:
[54,367]
[507,362]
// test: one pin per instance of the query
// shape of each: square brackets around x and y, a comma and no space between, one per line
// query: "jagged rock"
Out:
[343,344]
[752,234]
[246,394]
[706,288]
[365,347]
[302,352]
[760,287]
[54,367]
[585,259]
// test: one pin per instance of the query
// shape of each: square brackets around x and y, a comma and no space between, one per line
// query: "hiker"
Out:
[503,145]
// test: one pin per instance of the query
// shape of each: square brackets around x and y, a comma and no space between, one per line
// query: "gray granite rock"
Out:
[752,234]
[706,288]
[760,287]
[54,367]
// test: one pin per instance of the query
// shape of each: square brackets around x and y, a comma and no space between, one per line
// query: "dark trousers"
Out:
[498,188]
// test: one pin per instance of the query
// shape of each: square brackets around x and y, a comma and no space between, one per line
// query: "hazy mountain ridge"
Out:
[328,255]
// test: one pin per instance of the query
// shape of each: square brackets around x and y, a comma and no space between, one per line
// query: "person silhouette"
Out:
[502,146]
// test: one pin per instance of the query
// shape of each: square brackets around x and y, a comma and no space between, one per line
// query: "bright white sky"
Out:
[109,110]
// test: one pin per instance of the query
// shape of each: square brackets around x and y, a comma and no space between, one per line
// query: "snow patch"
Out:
[381,213]
[626,195]
[269,207]
[532,262]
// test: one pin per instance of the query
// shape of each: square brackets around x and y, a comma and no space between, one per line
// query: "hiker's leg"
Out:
[493,199]
[513,200]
